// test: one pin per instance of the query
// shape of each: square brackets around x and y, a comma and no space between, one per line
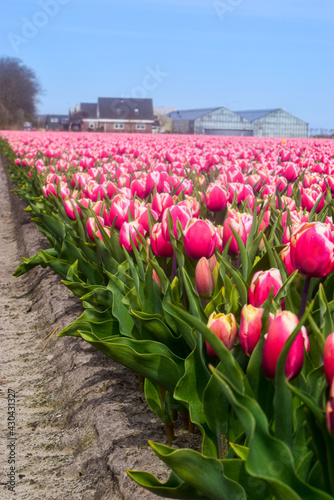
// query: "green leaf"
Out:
[154,399]
[120,311]
[37,260]
[216,408]
[239,281]
[195,305]
[150,359]
[241,451]
[245,262]
[269,459]
[314,208]
[236,374]
[101,323]
[283,291]
[151,296]
[155,324]
[177,323]
[161,274]
[174,487]
[215,303]
[203,474]
[326,322]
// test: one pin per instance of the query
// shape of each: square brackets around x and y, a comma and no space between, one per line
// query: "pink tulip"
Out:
[128,232]
[290,172]
[250,328]
[110,189]
[161,201]
[160,246]
[216,197]
[225,328]
[312,249]
[181,214]
[156,179]
[247,220]
[142,217]
[235,221]
[255,182]
[261,285]
[204,281]
[329,358]
[236,187]
[191,203]
[309,198]
[199,239]
[92,226]
[119,210]
[69,206]
[49,189]
[96,192]
[138,187]
[99,235]
[279,331]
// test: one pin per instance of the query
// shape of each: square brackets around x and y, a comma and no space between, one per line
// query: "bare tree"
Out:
[19,90]
[166,123]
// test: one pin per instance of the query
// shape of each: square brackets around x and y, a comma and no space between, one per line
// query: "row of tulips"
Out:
[204,265]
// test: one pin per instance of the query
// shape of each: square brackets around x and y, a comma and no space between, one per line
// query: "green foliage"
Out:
[279,447]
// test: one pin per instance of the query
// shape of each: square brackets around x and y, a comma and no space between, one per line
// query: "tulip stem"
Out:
[174,265]
[141,381]
[185,421]
[304,296]
[191,427]
[169,432]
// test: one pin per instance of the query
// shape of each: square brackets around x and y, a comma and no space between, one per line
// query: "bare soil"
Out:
[81,420]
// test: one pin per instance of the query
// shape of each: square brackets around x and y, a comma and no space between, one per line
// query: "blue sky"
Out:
[242,54]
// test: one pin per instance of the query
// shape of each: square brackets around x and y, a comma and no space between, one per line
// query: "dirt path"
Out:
[80,419]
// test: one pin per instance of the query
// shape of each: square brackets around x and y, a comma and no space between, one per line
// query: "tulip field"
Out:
[206,266]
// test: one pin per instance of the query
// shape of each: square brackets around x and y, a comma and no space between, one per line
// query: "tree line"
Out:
[19,91]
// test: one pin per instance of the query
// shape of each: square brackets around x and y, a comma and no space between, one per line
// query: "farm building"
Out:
[115,114]
[57,122]
[222,121]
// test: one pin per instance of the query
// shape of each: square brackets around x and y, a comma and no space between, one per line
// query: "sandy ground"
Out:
[80,418]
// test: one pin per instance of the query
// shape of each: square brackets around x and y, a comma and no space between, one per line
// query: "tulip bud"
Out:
[279,331]
[312,249]
[261,285]
[213,262]
[330,411]
[225,327]
[329,358]
[250,328]
[205,284]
